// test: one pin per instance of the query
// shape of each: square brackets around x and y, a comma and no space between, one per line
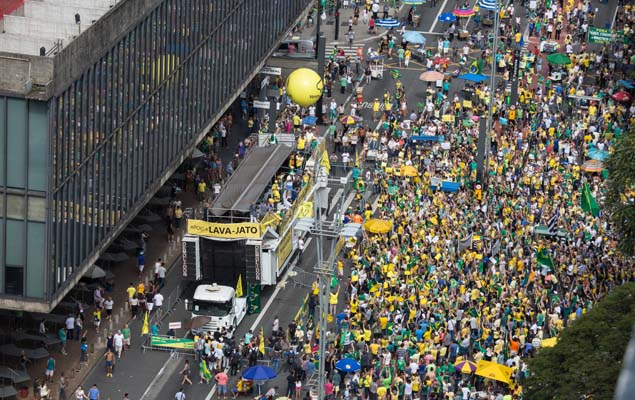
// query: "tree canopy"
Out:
[620,196]
[589,355]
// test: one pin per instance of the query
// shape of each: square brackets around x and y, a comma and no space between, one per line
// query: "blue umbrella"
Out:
[447,17]
[388,23]
[348,365]
[259,373]
[626,84]
[414,2]
[309,120]
[597,154]
[473,77]
[414,37]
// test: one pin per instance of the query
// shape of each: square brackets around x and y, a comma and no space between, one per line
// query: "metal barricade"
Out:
[302,278]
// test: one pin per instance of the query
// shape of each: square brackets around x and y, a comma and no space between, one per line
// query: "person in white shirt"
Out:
[108,304]
[118,341]
[161,272]
[70,327]
[158,300]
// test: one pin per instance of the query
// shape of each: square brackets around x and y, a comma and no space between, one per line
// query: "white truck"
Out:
[218,303]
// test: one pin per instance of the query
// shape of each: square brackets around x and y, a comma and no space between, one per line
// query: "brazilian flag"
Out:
[476,67]
[205,371]
[253,299]
[543,258]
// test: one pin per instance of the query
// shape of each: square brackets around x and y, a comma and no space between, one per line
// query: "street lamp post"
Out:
[484,140]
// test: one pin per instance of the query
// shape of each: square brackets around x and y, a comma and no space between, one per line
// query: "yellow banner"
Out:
[244,230]
[284,248]
[305,210]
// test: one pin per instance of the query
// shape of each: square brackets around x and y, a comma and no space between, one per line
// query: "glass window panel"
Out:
[37,209]
[15,242]
[3,120]
[15,206]
[35,260]
[16,132]
[14,278]
[38,132]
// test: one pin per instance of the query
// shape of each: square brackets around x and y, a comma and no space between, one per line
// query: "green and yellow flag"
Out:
[588,203]
[239,287]
[145,329]
[261,345]
[205,371]
[325,162]
[543,258]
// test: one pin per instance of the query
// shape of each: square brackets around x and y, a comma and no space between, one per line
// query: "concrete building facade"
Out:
[89,134]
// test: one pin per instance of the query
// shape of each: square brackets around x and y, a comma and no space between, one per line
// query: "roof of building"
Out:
[251,179]
[48,24]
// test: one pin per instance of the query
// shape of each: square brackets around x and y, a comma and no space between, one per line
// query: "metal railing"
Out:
[167,308]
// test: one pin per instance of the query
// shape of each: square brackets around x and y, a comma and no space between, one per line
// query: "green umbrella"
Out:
[558,59]
[392,190]
[468,122]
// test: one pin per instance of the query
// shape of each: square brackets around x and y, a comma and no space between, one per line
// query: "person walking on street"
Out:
[110,362]
[179,395]
[186,371]
[221,379]
[70,326]
[50,369]
[93,393]
[80,394]
[63,385]
[62,336]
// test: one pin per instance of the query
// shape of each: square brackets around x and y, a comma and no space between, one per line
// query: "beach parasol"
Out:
[348,365]
[549,342]
[409,170]
[95,272]
[349,120]
[376,225]
[463,12]
[465,366]
[476,78]
[592,166]
[621,96]
[310,120]
[441,60]
[414,37]
[447,17]
[558,59]
[388,23]
[492,370]
[431,76]
[259,373]
[597,154]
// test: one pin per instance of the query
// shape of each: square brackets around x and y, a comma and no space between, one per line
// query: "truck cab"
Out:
[220,304]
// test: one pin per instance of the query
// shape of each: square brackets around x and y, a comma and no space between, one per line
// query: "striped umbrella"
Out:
[463,12]
[349,120]
[491,5]
[465,366]
[388,23]
[592,166]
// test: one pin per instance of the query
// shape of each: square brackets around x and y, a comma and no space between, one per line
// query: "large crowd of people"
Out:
[511,258]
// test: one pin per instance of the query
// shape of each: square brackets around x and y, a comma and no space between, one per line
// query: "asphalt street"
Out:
[138,372]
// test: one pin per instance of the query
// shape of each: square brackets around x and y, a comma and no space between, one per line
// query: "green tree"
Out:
[620,196]
[588,357]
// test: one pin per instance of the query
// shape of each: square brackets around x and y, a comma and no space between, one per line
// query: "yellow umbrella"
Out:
[492,370]
[550,342]
[376,225]
[409,170]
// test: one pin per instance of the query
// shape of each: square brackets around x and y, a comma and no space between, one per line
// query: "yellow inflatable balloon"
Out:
[304,86]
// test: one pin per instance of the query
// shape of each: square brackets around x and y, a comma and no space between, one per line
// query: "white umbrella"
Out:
[95,272]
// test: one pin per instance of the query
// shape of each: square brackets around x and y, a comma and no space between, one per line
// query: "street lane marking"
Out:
[436,19]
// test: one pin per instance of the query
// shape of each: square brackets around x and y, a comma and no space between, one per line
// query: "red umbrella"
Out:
[442,60]
[622,96]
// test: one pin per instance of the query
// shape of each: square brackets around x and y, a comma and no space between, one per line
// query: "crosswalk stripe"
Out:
[328,49]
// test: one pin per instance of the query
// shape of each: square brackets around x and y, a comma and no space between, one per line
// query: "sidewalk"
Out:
[126,272]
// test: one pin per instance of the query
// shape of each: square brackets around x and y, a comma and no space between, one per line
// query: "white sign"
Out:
[262,104]
[174,325]
[271,70]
